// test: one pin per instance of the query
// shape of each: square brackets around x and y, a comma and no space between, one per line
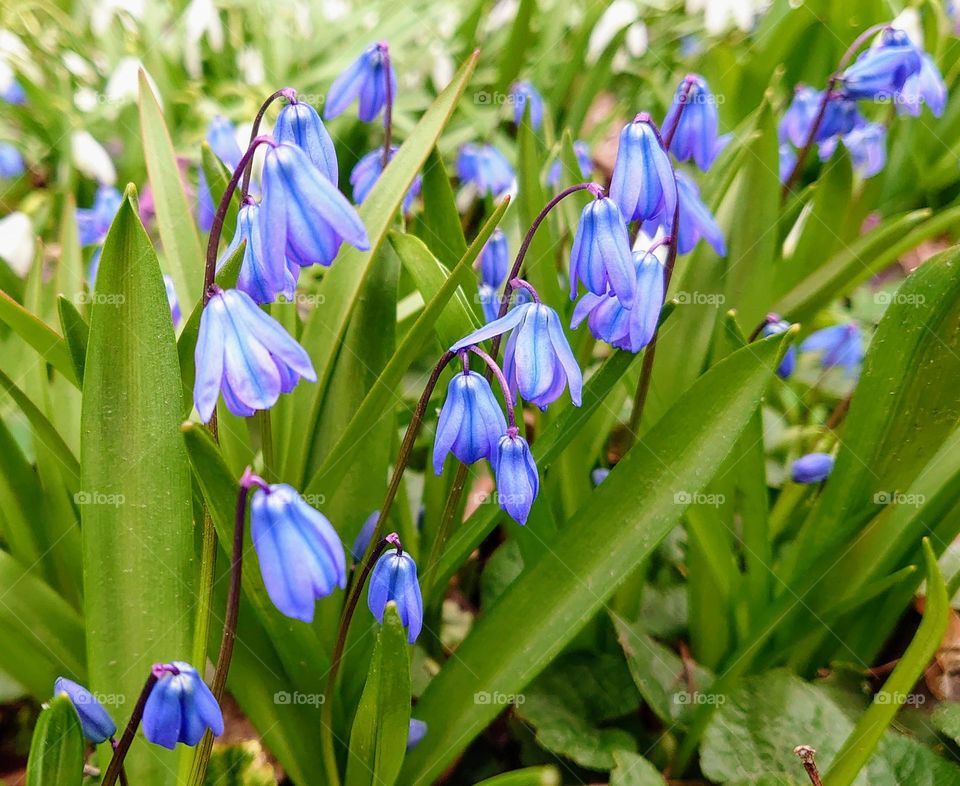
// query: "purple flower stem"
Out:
[284,92]
[126,740]
[501,380]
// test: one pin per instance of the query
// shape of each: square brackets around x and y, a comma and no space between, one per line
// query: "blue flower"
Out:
[486,168]
[867,145]
[359,547]
[489,302]
[599,475]
[517,479]
[537,360]
[642,183]
[180,707]
[260,282]
[206,210]
[175,314]
[416,732]
[924,87]
[796,121]
[584,162]
[303,217]
[11,162]
[811,468]
[495,260]
[789,362]
[301,556]
[693,116]
[364,79]
[601,252]
[840,345]
[522,92]
[696,221]
[299,124]
[93,222]
[788,160]
[840,117]
[470,422]
[880,72]
[222,138]
[13,93]
[368,171]
[245,354]
[631,329]
[394,578]
[95,721]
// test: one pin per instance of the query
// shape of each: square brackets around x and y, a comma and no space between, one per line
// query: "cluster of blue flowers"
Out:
[893,70]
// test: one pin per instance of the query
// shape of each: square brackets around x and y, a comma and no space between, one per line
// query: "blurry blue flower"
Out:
[368,171]
[303,217]
[788,160]
[841,346]
[301,556]
[299,124]
[599,475]
[394,578]
[95,721]
[260,282]
[222,138]
[537,360]
[180,707]
[489,302]
[416,732]
[359,547]
[642,183]
[13,93]
[811,468]
[495,260]
[924,87]
[245,354]
[696,221]
[364,79]
[797,120]
[867,145]
[522,92]
[486,168]
[789,362]
[840,117]
[517,478]
[470,423]
[93,222]
[11,162]
[601,252]
[881,71]
[206,210]
[693,116]
[175,314]
[584,162]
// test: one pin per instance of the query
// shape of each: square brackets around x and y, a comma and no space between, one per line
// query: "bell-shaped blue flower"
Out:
[486,168]
[394,578]
[584,162]
[926,87]
[11,162]
[495,260]
[261,282]
[470,422]
[368,171]
[601,252]
[693,118]
[180,707]
[365,79]
[299,124]
[93,222]
[811,468]
[517,479]
[13,93]
[245,354]
[789,362]
[95,721]
[796,121]
[696,221]
[867,145]
[359,547]
[840,117]
[222,138]
[538,361]
[880,72]
[642,183]
[522,93]
[303,217]
[841,346]
[301,556]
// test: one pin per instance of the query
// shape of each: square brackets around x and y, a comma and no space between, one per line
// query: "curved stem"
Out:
[285,92]
[388,109]
[123,746]
[501,380]
[519,283]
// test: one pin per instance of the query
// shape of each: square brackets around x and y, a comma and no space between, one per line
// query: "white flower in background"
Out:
[202,19]
[250,66]
[123,86]
[619,14]
[908,20]
[6,76]
[502,14]
[91,159]
[332,10]
[442,67]
[721,15]
[127,11]
[17,242]
[78,65]
[86,99]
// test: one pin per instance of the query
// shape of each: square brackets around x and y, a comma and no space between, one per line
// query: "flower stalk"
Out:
[126,739]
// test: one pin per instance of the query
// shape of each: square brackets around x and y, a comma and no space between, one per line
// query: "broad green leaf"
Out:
[528,776]
[378,739]
[630,513]
[181,243]
[512,54]
[138,542]
[50,346]
[218,177]
[440,226]
[634,770]
[57,749]
[19,490]
[70,274]
[76,332]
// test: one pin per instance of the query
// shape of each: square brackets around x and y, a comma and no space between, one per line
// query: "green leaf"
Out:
[76,332]
[51,346]
[136,515]
[634,770]
[218,177]
[630,513]
[529,776]
[871,725]
[378,739]
[440,226]
[70,275]
[514,50]
[57,749]
[181,243]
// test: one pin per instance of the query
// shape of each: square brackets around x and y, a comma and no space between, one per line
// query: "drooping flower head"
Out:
[642,183]
[486,168]
[600,256]
[840,117]
[696,221]
[301,556]
[867,145]
[359,547]
[584,163]
[299,124]
[394,579]
[796,121]
[245,354]
[261,282]
[880,72]
[692,117]
[365,80]
[518,481]
[95,721]
[471,421]
[774,327]
[368,170]
[11,162]
[812,468]
[522,93]
[841,346]
[489,301]
[926,87]
[180,707]
[495,260]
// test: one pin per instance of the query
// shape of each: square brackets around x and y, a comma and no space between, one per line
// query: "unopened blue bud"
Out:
[517,479]
[521,93]
[694,115]
[394,579]
[642,183]
[601,252]
[812,468]
[95,721]
[365,80]
[299,124]
[470,422]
